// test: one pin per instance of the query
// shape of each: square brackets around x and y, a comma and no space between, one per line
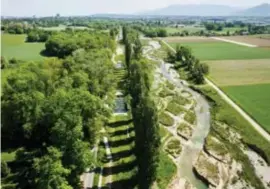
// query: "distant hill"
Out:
[260,10]
[210,10]
[193,10]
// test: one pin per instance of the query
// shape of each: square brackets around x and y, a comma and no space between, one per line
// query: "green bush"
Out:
[175,108]
[165,171]
[184,128]
[181,100]
[170,85]
[5,170]
[173,147]
[165,92]
[190,117]
[165,119]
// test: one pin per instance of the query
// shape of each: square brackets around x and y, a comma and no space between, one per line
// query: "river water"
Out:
[194,146]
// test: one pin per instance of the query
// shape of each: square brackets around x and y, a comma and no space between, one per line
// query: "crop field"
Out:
[187,39]
[247,82]
[216,50]
[262,36]
[15,46]
[239,72]
[254,99]
[253,40]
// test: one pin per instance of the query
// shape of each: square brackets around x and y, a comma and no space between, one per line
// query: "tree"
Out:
[5,170]
[137,49]
[128,54]
[32,37]
[4,62]
[52,174]
[210,26]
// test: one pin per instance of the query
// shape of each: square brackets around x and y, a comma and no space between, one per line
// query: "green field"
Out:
[254,99]
[224,51]
[15,46]
[190,29]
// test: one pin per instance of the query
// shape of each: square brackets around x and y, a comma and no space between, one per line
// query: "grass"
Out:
[184,130]
[165,171]
[239,72]
[121,58]
[190,117]
[254,99]
[173,147]
[165,119]
[217,147]
[180,100]
[165,93]
[15,46]
[163,132]
[175,109]
[224,113]
[224,51]
[170,85]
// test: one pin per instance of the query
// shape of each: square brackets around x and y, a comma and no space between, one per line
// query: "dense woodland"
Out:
[53,111]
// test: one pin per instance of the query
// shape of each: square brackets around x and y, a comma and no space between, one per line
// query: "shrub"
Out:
[165,119]
[190,117]
[175,108]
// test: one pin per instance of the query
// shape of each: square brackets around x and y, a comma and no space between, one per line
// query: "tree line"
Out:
[183,58]
[52,113]
[144,111]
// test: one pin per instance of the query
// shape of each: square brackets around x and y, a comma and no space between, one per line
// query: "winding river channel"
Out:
[193,147]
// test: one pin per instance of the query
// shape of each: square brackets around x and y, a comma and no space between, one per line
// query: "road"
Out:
[254,124]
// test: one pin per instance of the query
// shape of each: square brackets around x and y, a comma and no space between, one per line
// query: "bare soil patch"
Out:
[261,42]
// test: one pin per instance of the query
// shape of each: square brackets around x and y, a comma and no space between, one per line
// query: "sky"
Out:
[88,7]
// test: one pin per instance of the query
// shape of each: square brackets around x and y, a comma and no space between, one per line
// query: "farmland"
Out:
[239,72]
[215,50]
[15,46]
[254,99]
[253,40]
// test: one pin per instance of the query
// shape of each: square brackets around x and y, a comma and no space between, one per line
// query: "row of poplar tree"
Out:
[144,111]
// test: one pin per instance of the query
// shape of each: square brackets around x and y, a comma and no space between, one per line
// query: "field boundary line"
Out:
[254,124]
[235,42]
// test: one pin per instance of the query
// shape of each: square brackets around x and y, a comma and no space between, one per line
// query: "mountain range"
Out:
[210,10]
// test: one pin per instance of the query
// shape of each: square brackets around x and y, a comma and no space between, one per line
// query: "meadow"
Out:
[254,99]
[14,46]
[215,50]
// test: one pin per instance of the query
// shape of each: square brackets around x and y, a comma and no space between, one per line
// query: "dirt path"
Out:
[234,105]
[235,42]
